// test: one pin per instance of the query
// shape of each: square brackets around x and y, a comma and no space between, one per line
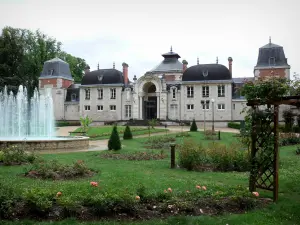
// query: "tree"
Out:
[127,133]
[194,127]
[22,56]
[114,142]
[77,65]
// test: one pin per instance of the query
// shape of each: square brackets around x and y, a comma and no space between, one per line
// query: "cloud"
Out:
[138,32]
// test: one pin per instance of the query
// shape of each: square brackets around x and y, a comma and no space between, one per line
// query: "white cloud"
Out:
[138,32]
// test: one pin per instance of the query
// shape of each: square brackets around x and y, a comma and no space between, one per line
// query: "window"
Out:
[190,106]
[50,72]
[221,91]
[221,106]
[87,94]
[173,93]
[205,104]
[190,92]
[100,93]
[73,97]
[205,91]
[112,93]
[100,107]
[128,111]
[112,108]
[234,106]
[87,108]
[272,61]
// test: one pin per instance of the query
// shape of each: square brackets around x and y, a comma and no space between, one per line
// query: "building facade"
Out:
[171,91]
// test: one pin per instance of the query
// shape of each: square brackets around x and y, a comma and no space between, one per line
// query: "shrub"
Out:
[193,127]
[127,133]
[216,157]
[114,142]
[183,134]
[16,155]
[298,150]
[288,139]
[234,125]
[288,117]
[56,171]
[191,155]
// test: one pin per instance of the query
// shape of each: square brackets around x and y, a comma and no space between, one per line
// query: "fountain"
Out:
[32,122]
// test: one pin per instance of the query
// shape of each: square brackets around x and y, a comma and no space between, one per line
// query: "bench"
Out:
[82,133]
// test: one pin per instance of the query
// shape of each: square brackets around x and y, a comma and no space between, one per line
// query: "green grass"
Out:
[119,176]
[103,132]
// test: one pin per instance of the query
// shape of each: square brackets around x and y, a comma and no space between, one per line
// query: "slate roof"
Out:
[242,79]
[269,51]
[56,68]
[103,76]
[169,64]
[214,72]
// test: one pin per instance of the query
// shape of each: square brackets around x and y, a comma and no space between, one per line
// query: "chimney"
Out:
[87,69]
[184,67]
[230,65]
[125,72]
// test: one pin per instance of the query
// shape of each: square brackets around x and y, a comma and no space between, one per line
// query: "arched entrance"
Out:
[150,101]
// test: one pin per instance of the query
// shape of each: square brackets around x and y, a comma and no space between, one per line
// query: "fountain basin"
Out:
[40,143]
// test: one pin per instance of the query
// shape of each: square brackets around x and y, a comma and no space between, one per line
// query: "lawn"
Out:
[119,176]
[103,132]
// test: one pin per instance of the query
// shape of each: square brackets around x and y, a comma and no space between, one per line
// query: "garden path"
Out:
[100,145]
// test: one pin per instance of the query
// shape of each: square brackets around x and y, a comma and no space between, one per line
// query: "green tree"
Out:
[114,142]
[77,65]
[22,56]
[194,127]
[127,133]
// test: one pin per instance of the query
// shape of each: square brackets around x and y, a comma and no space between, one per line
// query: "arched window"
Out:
[73,97]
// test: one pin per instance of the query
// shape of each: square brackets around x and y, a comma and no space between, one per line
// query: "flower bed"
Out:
[159,142]
[97,203]
[135,156]
[56,171]
[16,155]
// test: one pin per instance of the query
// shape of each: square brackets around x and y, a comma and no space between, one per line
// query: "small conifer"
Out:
[114,142]
[194,126]
[127,133]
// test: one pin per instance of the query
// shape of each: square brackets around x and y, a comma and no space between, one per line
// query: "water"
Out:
[22,119]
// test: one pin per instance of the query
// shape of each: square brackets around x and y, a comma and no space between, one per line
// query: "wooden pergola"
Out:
[264,172]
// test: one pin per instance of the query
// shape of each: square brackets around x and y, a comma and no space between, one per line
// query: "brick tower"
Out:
[271,62]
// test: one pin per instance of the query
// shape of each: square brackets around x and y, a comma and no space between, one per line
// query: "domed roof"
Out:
[56,68]
[170,63]
[103,76]
[212,72]
[271,55]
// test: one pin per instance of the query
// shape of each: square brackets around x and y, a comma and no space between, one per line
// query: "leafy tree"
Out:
[127,133]
[114,142]
[22,56]
[194,127]
[77,65]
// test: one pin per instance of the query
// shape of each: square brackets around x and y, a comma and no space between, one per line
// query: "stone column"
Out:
[141,107]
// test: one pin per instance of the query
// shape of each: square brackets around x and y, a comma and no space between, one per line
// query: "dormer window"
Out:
[73,97]
[272,61]
[50,72]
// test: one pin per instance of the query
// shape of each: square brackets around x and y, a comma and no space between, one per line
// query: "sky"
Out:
[138,32]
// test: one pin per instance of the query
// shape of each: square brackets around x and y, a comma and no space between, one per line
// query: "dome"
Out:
[103,76]
[271,55]
[213,72]
[56,68]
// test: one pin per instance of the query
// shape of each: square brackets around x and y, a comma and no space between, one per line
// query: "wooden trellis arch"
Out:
[264,144]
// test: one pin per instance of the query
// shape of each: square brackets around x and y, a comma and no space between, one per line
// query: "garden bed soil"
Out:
[143,211]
